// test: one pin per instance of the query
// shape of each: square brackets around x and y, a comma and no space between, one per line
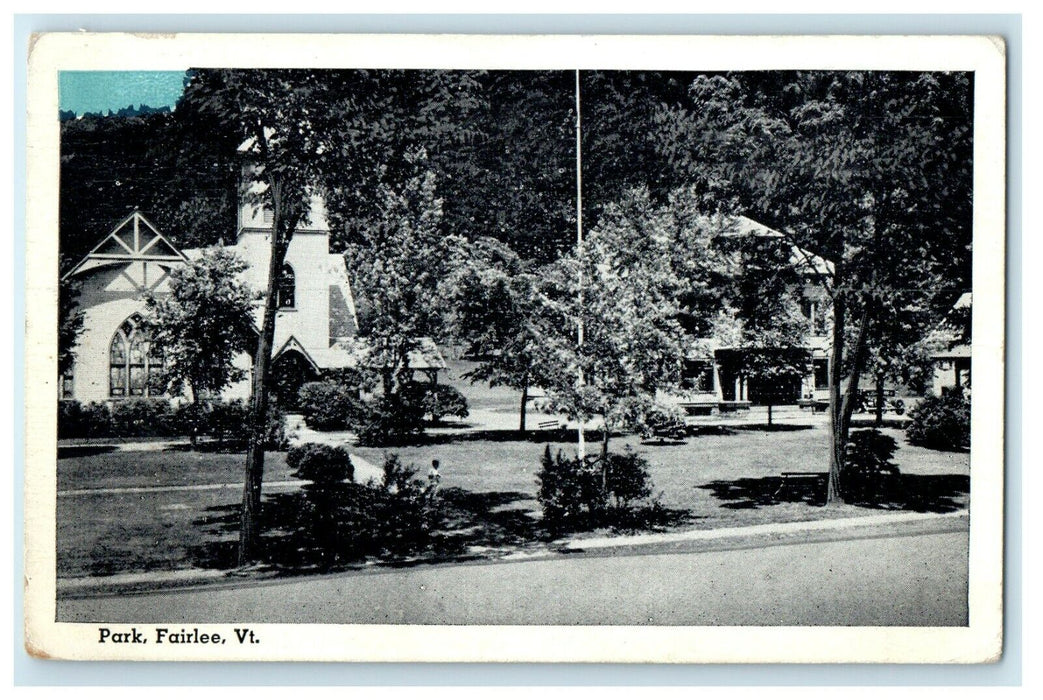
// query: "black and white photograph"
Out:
[671,359]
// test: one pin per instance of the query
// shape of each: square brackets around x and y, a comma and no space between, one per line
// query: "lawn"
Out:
[724,477]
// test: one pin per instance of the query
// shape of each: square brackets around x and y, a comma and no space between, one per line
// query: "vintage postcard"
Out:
[515,348]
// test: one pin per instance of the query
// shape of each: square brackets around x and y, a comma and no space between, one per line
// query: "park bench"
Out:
[816,405]
[790,477]
[549,424]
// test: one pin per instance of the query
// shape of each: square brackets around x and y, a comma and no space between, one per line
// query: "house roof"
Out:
[134,239]
[800,258]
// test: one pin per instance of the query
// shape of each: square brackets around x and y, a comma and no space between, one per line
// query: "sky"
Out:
[101,91]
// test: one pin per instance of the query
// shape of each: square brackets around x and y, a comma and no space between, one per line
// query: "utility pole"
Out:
[581,445]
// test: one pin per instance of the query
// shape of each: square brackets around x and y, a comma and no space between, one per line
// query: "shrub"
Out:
[144,418]
[941,422]
[868,470]
[330,406]
[570,491]
[663,423]
[389,421]
[626,478]
[322,464]
[869,452]
[76,420]
[436,401]
[341,521]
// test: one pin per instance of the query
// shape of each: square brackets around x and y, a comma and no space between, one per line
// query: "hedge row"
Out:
[131,418]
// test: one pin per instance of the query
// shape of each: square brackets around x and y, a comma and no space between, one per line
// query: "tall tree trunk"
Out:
[879,400]
[254,470]
[521,413]
[836,363]
[605,434]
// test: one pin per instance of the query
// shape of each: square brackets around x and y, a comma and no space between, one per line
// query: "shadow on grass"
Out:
[918,493]
[74,451]
[467,525]
[774,427]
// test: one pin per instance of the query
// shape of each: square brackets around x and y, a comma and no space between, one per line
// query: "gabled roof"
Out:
[292,344]
[799,258]
[134,239]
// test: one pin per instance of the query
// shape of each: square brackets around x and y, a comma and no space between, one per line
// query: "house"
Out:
[952,362]
[316,327]
[713,382]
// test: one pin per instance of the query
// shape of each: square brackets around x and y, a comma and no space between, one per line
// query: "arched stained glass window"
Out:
[286,288]
[135,365]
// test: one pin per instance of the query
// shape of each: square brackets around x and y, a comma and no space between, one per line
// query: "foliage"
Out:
[135,418]
[76,420]
[577,493]
[330,405]
[570,491]
[229,421]
[941,422]
[868,470]
[621,287]
[389,421]
[848,166]
[70,323]
[345,521]
[203,324]
[401,275]
[322,464]
[626,478]
[434,401]
[870,452]
[663,423]
[143,418]
[499,316]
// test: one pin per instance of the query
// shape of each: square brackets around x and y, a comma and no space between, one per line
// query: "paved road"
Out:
[905,580]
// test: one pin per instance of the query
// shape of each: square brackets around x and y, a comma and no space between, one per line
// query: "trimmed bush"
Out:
[663,423]
[322,464]
[626,478]
[343,521]
[434,401]
[390,422]
[144,418]
[869,453]
[570,491]
[868,472]
[330,406]
[580,494]
[941,422]
[76,420]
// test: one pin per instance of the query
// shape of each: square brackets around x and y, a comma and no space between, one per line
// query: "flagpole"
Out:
[581,445]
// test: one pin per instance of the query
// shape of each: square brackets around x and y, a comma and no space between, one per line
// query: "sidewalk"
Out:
[750,537]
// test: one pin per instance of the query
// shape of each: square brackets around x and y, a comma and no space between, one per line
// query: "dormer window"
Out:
[285,288]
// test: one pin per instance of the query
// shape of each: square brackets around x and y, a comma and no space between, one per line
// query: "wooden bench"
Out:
[816,405]
[788,477]
[549,424]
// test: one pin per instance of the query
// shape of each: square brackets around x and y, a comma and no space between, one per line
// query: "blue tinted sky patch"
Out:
[101,91]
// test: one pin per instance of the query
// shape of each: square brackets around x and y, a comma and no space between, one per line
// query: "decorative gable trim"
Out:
[134,239]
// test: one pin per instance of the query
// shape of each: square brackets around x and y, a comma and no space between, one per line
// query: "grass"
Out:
[723,477]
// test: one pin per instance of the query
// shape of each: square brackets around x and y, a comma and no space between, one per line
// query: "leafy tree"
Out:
[616,307]
[202,324]
[498,314]
[772,344]
[288,124]
[868,170]
[401,276]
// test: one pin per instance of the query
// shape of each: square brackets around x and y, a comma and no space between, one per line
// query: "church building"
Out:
[316,327]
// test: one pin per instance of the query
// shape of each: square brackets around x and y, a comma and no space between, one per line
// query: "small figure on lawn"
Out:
[434,477]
